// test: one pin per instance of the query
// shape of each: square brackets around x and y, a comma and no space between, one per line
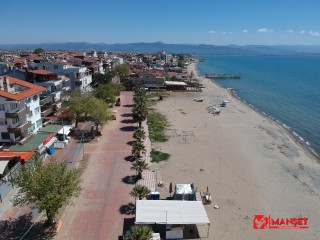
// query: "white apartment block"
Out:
[20,113]
[80,77]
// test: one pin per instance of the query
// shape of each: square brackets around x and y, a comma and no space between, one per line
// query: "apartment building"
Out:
[20,113]
[80,76]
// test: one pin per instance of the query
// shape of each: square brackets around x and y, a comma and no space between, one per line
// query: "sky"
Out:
[222,22]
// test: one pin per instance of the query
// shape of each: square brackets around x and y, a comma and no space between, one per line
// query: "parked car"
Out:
[118,102]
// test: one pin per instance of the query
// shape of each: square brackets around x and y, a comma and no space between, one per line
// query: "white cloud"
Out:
[302,32]
[264,30]
[314,34]
[245,31]
[211,32]
[289,31]
[223,32]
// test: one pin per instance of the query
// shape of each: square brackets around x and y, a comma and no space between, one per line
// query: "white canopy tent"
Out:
[184,189]
[170,212]
[65,130]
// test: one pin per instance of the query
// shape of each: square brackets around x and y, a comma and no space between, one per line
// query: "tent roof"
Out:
[170,212]
[183,189]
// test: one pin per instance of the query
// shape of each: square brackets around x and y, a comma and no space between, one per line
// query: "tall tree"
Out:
[107,92]
[99,112]
[86,103]
[139,191]
[140,232]
[100,78]
[77,105]
[123,71]
[139,166]
[38,51]
[47,187]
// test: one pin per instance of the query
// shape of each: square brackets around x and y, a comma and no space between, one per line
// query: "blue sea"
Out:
[286,88]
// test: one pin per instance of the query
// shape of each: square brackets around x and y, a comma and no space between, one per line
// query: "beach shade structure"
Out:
[184,192]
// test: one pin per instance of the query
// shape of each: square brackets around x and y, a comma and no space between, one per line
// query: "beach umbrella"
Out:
[170,188]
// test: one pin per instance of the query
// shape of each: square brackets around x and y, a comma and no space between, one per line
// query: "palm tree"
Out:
[139,166]
[140,232]
[139,95]
[139,134]
[140,112]
[137,149]
[139,191]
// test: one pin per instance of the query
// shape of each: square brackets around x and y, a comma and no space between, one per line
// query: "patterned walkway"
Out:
[149,178]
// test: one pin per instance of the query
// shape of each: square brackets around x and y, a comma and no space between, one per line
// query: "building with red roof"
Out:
[20,113]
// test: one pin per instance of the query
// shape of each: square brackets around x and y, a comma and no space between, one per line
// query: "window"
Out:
[3,121]
[30,114]
[15,120]
[28,100]
[36,110]
[31,129]
[13,106]
[39,123]
[35,97]
[5,135]
[55,66]
[2,107]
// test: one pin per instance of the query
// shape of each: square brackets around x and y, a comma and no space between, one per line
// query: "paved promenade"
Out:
[97,212]
[103,209]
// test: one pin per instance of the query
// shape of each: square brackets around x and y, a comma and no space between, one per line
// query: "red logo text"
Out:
[267,222]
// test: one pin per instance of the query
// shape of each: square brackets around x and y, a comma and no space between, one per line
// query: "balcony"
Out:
[45,100]
[19,128]
[19,114]
[46,111]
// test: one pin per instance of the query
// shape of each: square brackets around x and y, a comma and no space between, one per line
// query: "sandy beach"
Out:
[250,164]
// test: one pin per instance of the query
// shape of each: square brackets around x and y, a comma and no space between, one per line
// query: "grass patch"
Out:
[158,156]
[157,123]
[154,97]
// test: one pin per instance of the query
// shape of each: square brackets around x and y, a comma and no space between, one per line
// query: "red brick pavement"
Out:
[96,212]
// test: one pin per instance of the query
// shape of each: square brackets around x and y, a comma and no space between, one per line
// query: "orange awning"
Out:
[18,156]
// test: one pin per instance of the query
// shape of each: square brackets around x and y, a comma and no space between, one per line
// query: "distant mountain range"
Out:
[176,48]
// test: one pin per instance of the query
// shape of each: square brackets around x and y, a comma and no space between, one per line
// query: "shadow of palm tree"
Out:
[130,143]
[129,158]
[128,121]
[127,115]
[130,179]
[128,105]
[16,228]
[128,128]
[128,209]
